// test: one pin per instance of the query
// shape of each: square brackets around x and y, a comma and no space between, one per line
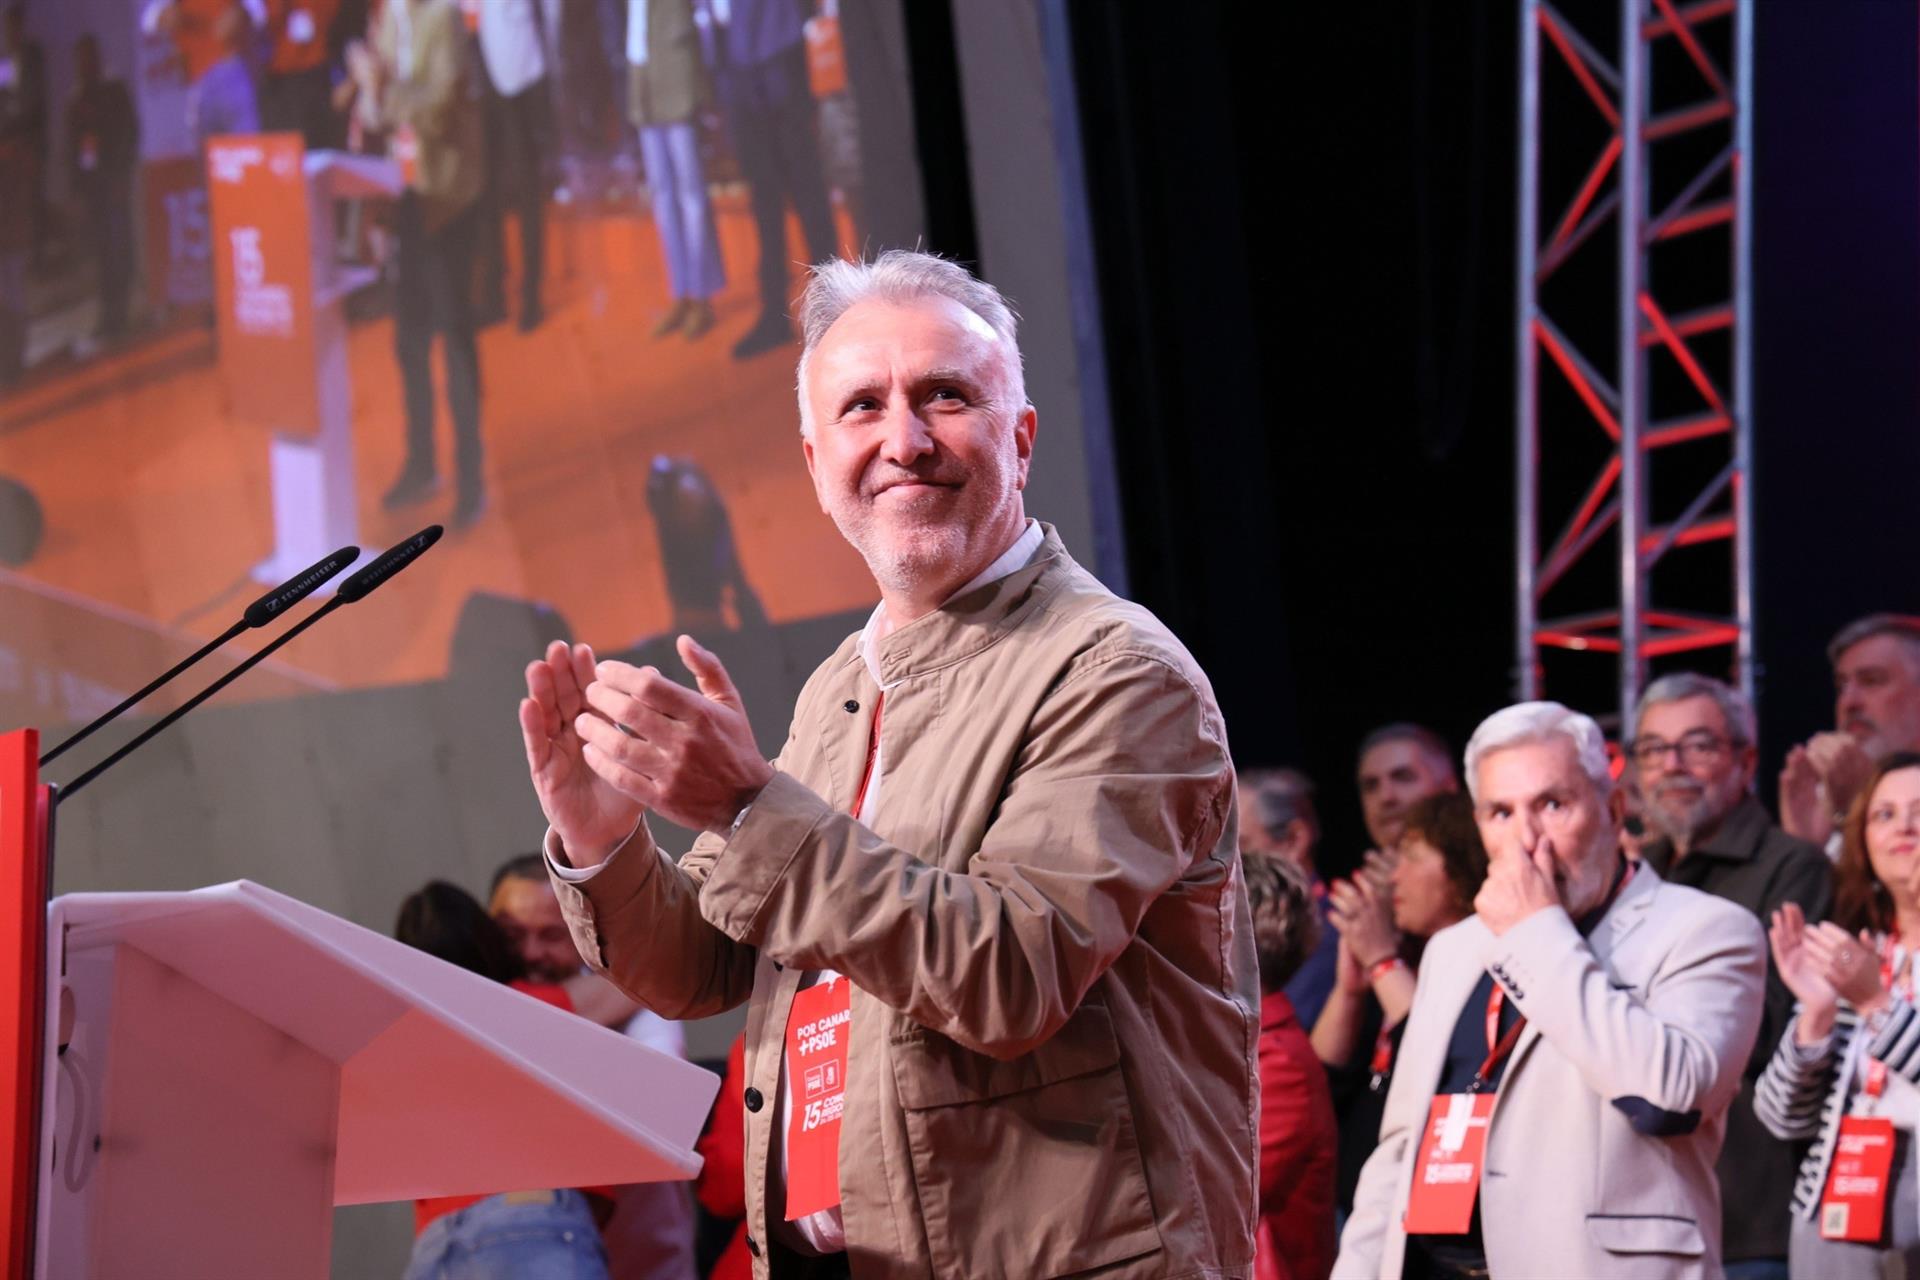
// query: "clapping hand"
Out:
[1850,965]
[1362,910]
[1843,765]
[1803,810]
[590,815]
[688,756]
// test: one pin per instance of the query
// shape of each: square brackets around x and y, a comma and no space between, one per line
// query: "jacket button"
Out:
[753,1099]
[850,706]
[753,1246]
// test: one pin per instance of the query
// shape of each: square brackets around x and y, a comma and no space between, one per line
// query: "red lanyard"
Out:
[1501,1046]
[873,755]
[1382,1058]
[1876,1081]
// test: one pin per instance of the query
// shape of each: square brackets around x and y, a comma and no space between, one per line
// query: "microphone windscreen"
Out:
[297,588]
[391,561]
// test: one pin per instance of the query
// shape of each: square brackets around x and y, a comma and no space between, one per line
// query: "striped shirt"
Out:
[1806,1089]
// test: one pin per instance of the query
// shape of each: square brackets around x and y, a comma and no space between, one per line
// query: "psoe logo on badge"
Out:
[816,1081]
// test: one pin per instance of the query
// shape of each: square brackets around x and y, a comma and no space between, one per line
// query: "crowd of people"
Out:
[1696,1074]
[1106,1011]
[495,110]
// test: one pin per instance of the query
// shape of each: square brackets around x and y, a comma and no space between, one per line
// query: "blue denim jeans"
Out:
[512,1237]
[681,214]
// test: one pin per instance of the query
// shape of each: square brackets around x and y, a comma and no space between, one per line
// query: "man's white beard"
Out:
[900,564]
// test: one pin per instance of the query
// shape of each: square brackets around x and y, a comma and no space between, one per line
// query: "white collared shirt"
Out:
[510,45]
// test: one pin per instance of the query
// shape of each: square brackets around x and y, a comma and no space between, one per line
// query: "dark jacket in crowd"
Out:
[1755,864]
[103,142]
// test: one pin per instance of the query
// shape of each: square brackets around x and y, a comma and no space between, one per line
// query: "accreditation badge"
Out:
[1854,1205]
[1446,1170]
[817,1032]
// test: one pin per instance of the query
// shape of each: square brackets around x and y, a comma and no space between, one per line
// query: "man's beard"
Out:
[1868,735]
[1692,820]
[905,552]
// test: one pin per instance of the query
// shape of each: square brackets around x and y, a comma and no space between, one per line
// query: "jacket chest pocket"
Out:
[1063,1188]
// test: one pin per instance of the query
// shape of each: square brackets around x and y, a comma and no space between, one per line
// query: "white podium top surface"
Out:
[450,1084]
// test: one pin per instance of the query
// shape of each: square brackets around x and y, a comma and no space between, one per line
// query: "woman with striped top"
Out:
[1853,1048]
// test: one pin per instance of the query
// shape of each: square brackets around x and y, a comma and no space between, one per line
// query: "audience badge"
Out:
[1854,1205]
[405,147]
[817,1032]
[1446,1172]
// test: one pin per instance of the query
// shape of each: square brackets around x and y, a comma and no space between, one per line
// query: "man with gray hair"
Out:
[1876,681]
[1573,1046]
[1693,755]
[986,909]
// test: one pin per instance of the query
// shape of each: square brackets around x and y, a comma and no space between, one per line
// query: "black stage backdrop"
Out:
[1303,227]
[1836,333]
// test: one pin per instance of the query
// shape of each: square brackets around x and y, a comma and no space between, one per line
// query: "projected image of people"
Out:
[315,273]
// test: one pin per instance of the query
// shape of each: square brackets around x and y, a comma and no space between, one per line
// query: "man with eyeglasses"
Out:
[1693,756]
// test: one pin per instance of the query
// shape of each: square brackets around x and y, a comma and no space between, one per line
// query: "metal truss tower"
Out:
[1634,437]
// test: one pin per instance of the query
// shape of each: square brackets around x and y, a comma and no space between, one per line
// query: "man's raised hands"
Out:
[690,757]
[591,816]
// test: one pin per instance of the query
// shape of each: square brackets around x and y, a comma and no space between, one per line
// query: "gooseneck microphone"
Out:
[358,587]
[258,614]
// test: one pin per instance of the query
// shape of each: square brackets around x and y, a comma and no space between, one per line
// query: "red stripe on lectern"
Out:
[23,983]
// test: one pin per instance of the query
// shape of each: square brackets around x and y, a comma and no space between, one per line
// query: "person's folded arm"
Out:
[1122,784]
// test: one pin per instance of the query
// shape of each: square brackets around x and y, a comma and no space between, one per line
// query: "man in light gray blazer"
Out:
[1627,1006]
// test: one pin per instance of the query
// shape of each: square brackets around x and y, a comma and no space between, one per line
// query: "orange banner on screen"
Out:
[263,280]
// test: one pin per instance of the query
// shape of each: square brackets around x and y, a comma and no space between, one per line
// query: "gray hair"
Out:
[1418,734]
[899,276]
[1280,796]
[1903,627]
[1681,685]
[1526,722]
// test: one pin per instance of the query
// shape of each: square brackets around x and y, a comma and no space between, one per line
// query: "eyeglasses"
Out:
[1694,748]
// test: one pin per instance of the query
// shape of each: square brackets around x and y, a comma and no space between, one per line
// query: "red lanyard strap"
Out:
[1500,1045]
[873,755]
[1876,1081]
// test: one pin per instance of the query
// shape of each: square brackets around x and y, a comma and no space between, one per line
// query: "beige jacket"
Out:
[674,83]
[432,91]
[1056,1001]
[1643,1027]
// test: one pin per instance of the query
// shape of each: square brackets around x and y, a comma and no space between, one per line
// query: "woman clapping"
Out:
[1845,1072]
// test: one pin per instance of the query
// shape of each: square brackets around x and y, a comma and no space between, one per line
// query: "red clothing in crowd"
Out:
[722,1187]
[1298,1146]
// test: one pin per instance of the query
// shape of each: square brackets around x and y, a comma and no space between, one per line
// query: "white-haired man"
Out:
[1876,710]
[1572,1049]
[985,910]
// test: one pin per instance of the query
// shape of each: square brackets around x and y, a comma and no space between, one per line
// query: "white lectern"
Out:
[236,1063]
